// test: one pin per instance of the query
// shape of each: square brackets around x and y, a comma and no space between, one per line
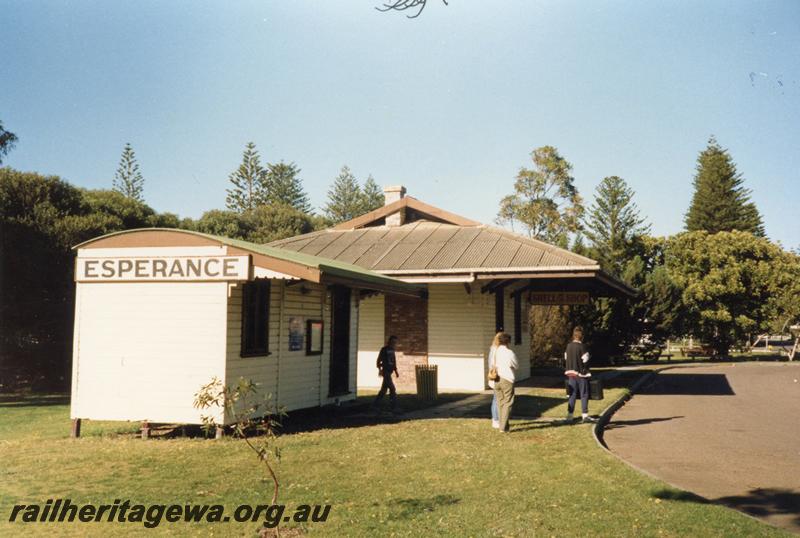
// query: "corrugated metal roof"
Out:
[424,246]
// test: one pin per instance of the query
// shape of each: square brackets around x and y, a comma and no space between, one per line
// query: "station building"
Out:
[479,280]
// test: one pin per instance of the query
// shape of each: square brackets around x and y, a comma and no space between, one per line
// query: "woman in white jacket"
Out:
[490,365]
[506,363]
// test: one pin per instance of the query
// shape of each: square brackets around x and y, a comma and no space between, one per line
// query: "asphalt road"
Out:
[729,433]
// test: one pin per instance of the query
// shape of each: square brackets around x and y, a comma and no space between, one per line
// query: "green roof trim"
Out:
[326,266]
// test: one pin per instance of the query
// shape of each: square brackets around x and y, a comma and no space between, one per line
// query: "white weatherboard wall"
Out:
[295,380]
[457,337]
[142,350]
[371,339]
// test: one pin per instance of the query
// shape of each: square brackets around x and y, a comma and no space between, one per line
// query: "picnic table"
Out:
[698,351]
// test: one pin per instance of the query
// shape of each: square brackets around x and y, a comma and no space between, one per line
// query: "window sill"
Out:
[254,355]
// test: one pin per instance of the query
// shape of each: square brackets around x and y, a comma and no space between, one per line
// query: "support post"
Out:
[76,428]
[145,430]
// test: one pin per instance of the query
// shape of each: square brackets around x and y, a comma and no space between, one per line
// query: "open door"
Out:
[340,341]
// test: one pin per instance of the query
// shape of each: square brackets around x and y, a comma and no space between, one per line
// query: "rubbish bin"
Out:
[427,381]
[595,388]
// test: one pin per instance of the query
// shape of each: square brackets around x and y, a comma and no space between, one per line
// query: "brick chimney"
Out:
[393,194]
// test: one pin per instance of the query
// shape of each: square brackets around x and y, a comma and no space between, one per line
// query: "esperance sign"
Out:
[191,268]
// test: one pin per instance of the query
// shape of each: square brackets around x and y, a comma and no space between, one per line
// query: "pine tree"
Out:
[345,199]
[720,202]
[613,224]
[283,186]
[371,195]
[128,179]
[248,182]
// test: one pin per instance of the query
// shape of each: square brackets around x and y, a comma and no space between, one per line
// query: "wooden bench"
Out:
[698,351]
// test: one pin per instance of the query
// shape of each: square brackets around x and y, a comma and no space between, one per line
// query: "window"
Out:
[517,319]
[255,318]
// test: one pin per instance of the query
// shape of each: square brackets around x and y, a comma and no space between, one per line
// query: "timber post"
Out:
[76,428]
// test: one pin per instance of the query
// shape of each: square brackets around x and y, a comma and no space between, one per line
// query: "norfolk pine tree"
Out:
[248,189]
[614,225]
[283,186]
[345,199]
[720,202]
[372,196]
[128,179]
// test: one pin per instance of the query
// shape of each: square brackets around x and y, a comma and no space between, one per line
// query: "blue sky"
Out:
[449,104]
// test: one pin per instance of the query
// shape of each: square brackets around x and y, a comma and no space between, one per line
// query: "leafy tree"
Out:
[372,196]
[123,212]
[729,281]
[283,186]
[720,202]
[7,142]
[614,225]
[36,285]
[545,200]
[128,179]
[225,223]
[345,199]
[263,224]
[269,223]
[41,218]
[550,329]
[248,180]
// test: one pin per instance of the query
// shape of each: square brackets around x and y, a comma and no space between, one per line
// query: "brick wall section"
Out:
[407,319]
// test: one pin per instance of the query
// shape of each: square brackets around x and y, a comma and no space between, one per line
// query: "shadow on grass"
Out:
[411,508]
[555,423]
[525,406]
[33,400]
[616,424]
[757,502]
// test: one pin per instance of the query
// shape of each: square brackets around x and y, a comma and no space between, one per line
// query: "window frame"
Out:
[260,291]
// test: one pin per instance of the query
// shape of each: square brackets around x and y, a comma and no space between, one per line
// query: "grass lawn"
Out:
[427,477]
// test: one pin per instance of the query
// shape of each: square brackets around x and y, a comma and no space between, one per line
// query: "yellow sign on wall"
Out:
[560,297]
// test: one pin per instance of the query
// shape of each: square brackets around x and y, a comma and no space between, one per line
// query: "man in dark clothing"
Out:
[387,363]
[578,374]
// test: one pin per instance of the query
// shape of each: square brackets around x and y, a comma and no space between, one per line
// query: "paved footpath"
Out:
[727,432]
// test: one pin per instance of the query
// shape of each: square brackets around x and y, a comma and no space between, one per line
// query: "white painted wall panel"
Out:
[460,331]
[459,373]
[144,349]
[371,338]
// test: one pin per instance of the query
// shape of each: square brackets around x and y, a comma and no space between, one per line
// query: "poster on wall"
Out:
[296,334]
[314,331]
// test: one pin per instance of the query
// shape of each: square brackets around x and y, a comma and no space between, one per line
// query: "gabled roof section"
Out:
[294,263]
[422,211]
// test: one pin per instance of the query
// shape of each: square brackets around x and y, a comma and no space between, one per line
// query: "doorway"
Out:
[340,341]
